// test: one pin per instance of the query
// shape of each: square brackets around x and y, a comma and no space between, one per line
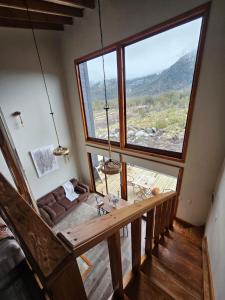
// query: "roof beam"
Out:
[17,14]
[75,3]
[27,24]
[43,7]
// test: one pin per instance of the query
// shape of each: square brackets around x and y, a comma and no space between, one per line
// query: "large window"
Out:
[151,81]
[159,76]
[91,78]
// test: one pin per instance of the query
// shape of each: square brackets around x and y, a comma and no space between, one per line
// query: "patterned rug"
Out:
[80,214]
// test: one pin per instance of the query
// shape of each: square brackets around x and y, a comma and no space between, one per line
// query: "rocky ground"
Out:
[149,137]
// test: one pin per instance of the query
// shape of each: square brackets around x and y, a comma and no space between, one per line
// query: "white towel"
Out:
[69,190]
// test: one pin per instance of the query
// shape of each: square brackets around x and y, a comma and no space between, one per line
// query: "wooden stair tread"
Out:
[141,288]
[180,237]
[190,232]
[189,273]
[183,247]
[167,280]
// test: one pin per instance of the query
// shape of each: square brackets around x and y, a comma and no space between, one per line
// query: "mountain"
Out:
[176,77]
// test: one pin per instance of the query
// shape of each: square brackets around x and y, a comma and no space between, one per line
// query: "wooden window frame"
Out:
[200,11]
[84,119]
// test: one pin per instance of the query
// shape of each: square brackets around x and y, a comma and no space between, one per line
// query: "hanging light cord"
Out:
[104,78]
[42,71]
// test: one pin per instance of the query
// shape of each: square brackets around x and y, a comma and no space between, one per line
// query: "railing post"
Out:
[136,244]
[163,218]
[149,231]
[67,283]
[116,264]
[169,207]
[157,227]
[172,212]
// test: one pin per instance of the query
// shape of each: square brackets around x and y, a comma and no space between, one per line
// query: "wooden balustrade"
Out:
[160,213]
[53,258]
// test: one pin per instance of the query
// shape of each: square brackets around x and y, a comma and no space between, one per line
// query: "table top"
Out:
[108,205]
[144,181]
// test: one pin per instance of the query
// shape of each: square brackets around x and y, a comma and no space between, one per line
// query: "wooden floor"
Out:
[174,272]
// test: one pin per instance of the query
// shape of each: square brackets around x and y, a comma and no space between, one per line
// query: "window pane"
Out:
[101,180]
[159,72]
[91,74]
[140,182]
[99,177]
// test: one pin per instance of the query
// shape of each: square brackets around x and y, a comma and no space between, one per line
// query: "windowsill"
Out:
[140,153]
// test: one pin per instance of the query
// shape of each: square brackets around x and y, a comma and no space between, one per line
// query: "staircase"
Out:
[174,271]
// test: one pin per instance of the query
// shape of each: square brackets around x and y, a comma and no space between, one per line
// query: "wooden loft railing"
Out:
[160,214]
[53,258]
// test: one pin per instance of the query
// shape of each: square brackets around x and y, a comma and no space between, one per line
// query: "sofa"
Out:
[55,206]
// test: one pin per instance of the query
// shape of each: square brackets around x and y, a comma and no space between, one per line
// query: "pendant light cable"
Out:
[104,79]
[42,71]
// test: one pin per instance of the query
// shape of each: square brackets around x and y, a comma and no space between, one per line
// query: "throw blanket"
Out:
[69,190]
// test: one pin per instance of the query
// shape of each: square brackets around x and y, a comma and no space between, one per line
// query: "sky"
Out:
[149,56]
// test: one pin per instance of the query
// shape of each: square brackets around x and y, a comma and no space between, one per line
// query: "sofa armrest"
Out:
[50,212]
[84,186]
[80,190]
[45,216]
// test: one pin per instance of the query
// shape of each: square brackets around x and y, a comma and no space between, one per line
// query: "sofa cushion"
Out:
[50,211]
[59,194]
[67,204]
[46,216]
[46,200]
[58,209]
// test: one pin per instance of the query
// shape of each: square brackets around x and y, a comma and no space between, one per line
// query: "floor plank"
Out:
[167,280]
[141,288]
[175,242]
[181,265]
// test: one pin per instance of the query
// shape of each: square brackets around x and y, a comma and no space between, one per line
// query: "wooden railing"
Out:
[53,258]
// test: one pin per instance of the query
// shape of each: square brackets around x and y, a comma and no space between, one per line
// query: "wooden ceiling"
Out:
[43,14]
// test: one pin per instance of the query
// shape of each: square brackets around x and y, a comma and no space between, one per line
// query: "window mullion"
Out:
[121,84]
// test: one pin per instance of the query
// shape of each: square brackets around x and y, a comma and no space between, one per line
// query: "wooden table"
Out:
[108,205]
[143,186]
[144,181]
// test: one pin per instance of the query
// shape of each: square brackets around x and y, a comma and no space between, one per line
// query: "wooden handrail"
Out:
[83,237]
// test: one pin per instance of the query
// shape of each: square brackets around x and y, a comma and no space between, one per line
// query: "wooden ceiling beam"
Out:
[17,14]
[75,3]
[43,7]
[26,24]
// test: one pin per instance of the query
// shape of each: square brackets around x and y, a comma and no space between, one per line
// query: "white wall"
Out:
[5,170]
[216,238]
[22,89]
[207,140]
